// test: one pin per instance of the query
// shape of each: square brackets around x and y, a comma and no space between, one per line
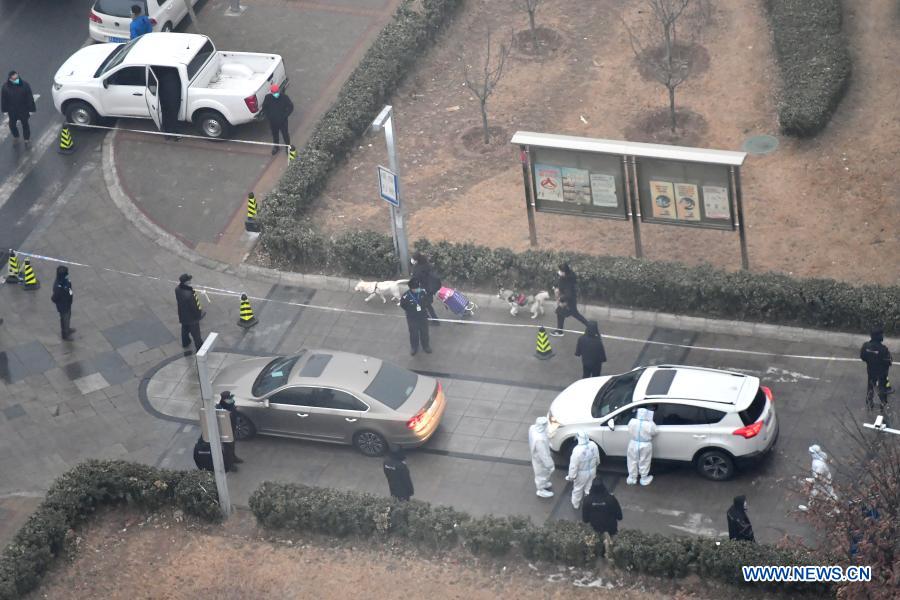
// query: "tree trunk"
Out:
[672,107]
[484,123]
[534,41]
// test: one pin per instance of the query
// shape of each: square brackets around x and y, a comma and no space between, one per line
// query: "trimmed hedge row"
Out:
[814,61]
[304,509]
[77,494]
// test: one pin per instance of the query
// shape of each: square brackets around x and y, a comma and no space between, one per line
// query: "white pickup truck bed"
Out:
[234,70]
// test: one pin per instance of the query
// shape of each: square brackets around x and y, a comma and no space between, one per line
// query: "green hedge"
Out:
[77,494]
[303,509]
[814,61]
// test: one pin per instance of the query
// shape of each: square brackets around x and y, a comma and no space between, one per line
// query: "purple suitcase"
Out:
[456,302]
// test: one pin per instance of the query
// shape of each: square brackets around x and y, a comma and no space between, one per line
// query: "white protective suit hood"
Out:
[540,424]
[582,438]
[817,453]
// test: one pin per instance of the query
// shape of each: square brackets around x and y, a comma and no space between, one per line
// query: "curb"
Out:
[343,284]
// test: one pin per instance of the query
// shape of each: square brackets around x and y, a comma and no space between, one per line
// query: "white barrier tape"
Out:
[180,135]
[206,290]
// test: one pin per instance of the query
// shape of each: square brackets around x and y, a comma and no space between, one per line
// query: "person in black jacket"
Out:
[189,313]
[878,361]
[397,474]
[739,527]
[567,299]
[17,101]
[226,402]
[413,303]
[169,99]
[277,107]
[431,283]
[601,509]
[62,298]
[590,349]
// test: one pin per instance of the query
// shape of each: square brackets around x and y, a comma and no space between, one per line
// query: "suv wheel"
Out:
[715,465]
[244,428]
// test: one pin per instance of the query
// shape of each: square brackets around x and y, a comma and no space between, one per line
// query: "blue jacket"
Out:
[140,26]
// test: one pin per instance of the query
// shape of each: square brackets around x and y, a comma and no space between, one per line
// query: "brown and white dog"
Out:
[517,300]
[382,289]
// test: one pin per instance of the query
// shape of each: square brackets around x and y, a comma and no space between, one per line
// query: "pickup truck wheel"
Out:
[81,113]
[212,124]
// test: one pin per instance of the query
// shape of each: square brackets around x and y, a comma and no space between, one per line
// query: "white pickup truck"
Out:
[218,89]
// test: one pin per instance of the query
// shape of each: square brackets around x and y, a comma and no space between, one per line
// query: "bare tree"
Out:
[860,519]
[531,6]
[484,80]
[655,42]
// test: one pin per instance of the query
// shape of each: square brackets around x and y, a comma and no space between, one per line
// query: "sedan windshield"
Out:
[392,385]
[618,392]
[274,375]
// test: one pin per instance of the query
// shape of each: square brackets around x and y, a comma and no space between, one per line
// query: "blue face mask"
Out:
[16,81]
[276,94]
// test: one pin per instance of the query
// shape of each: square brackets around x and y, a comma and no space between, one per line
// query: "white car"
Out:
[715,420]
[110,20]
[217,89]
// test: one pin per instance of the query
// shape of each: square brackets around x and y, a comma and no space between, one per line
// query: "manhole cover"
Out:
[760,144]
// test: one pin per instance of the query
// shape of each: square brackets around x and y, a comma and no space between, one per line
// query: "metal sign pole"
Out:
[880,425]
[736,183]
[212,423]
[525,157]
[631,189]
[397,213]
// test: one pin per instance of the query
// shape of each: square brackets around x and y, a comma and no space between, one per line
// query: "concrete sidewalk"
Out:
[204,205]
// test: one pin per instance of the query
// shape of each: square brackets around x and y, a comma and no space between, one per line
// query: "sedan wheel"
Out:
[244,428]
[370,443]
[715,465]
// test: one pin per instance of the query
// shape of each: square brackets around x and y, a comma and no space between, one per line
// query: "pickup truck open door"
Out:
[151,97]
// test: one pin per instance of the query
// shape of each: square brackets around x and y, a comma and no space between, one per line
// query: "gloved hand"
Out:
[569,478]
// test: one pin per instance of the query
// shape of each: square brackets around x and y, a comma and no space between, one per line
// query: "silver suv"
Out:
[715,420]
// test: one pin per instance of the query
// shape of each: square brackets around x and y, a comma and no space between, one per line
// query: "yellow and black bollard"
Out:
[246,319]
[30,280]
[543,349]
[251,224]
[66,141]
[12,272]
[292,153]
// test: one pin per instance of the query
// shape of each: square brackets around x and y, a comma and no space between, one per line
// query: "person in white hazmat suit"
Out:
[820,482]
[582,467]
[640,448]
[541,459]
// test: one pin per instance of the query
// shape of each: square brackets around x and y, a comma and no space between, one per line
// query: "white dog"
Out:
[518,299]
[382,289]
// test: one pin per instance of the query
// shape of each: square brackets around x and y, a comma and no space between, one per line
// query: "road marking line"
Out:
[12,183]
[209,290]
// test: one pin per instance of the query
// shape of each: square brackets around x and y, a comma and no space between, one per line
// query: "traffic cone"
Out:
[66,141]
[292,153]
[246,320]
[251,224]
[30,279]
[12,273]
[543,350]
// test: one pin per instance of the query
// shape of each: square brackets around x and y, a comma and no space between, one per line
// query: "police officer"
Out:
[878,360]
[189,313]
[226,402]
[397,474]
[413,303]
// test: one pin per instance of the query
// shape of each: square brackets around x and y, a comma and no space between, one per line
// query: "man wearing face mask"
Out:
[17,101]
[412,304]
[739,527]
[277,107]
[62,298]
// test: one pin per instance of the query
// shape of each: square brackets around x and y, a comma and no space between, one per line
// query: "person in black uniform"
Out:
[62,298]
[878,361]
[17,101]
[226,402]
[189,313]
[424,272]
[397,474]
[169,99]
[567,299]
[739,527]
[416,317]
[601,509]
[590,349]
[277,107]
